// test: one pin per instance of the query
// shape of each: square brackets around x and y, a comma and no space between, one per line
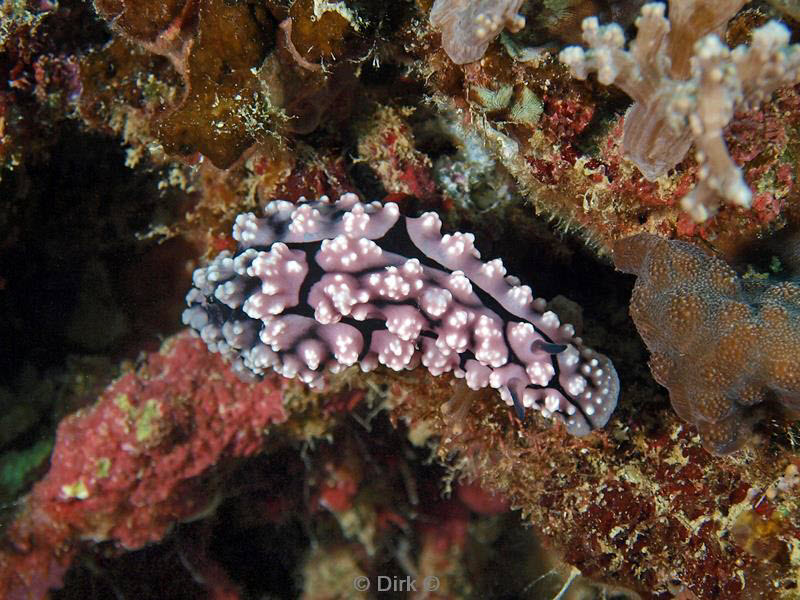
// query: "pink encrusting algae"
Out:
[132,465]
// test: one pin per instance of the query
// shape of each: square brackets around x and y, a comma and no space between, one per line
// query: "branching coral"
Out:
[720,344]
[676,106]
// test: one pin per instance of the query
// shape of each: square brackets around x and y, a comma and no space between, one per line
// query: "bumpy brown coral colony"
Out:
[720,344]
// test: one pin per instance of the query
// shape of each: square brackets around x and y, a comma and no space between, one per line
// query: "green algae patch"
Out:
[102,467]
[146,420]
[75,491]
[18,468]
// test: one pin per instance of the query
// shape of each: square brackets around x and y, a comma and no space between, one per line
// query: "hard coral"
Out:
[720,344]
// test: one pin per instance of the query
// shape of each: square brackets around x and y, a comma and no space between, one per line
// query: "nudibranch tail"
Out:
[325,285]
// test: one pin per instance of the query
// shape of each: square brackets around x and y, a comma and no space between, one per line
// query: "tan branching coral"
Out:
[469,27]
[680,100]
[719,343]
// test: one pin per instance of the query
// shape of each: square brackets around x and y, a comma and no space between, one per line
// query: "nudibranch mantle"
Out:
[325,285]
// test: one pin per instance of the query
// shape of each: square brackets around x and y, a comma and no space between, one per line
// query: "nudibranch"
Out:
[325,285]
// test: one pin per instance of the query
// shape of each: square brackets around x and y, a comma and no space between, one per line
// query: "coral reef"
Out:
[216,47]
[165,448]
[642,504]
[132,134]
[40,66]
[570,162]
[612,504]
[220,87]
[389,143]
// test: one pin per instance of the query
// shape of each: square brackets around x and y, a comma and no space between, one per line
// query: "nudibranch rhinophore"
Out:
[325,285]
